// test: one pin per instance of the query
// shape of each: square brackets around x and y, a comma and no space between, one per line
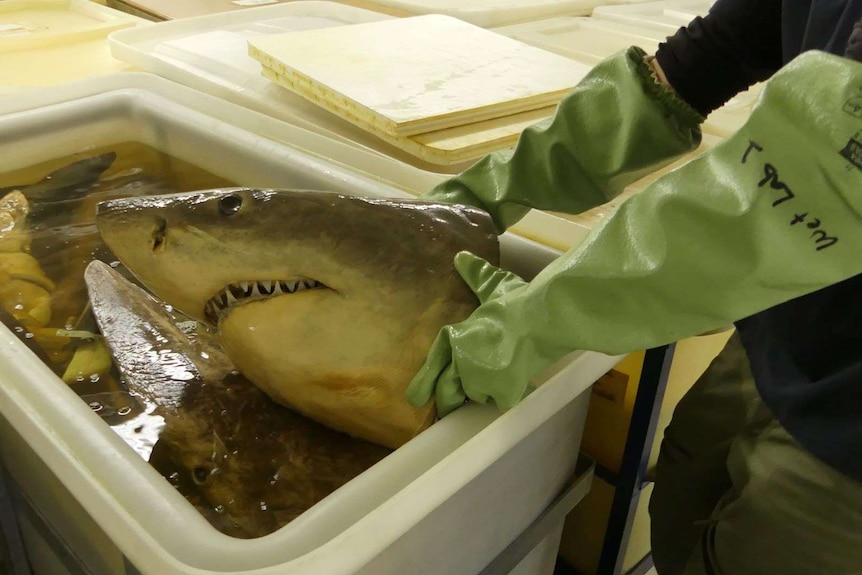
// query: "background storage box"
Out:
[46,42]
[591,40]
[588,40]
[173,9]
[485,13]
[665,16]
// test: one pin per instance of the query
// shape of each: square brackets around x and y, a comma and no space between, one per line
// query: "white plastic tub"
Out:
[447,502]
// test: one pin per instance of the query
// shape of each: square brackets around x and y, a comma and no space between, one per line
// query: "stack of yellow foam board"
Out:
[441,89]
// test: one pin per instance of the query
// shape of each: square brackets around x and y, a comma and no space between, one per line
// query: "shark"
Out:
[327,302]
[247,464]
[49,197]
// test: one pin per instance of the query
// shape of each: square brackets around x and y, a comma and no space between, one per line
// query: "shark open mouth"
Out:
[219,305]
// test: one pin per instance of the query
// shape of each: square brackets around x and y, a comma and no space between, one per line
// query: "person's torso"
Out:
[806,354]
[817,25]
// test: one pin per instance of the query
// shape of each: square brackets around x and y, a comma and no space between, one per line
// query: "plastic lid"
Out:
[587,40]
[667,16]
[486,13]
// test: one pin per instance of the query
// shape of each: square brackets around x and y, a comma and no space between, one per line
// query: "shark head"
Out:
[328,303]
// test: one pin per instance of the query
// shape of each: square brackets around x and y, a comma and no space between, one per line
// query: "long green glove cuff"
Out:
[616,126]
[772,213]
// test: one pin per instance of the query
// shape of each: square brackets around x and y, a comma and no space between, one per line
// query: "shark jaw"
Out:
[232,295]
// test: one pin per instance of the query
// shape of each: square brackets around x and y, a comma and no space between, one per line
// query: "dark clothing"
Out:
[738,44]
[817,25]
[805,354]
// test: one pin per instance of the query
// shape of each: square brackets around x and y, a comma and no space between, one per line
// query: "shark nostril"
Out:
[159,234]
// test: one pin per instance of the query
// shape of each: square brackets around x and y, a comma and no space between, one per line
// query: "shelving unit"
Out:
[13,559]
[630,481]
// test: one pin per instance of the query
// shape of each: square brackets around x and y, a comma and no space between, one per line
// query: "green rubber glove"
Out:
[772,213]
[617,125]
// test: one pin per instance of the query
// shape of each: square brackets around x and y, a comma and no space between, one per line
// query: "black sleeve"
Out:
[736,45]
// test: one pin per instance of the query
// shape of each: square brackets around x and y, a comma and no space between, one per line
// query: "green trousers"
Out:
[735,494]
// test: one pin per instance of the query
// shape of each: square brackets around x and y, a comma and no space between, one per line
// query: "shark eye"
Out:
[200,475]
[229,205]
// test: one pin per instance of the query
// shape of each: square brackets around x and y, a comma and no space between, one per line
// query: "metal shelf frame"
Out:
[631,479]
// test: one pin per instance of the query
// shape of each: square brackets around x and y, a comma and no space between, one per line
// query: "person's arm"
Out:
[619,124]
[715,57]
[622,121]
[772,213]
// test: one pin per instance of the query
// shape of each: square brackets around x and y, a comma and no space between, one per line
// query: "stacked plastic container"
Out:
[485,13]
[47,42]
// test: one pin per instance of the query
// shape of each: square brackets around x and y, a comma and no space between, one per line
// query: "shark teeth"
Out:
[218,305]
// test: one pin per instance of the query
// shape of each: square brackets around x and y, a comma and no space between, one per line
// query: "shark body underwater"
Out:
[247,464]
[327,303]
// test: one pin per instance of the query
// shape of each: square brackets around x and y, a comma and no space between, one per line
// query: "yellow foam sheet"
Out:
[412,76]
[454,145]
